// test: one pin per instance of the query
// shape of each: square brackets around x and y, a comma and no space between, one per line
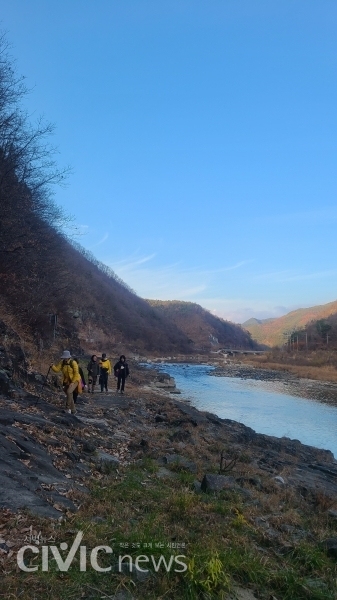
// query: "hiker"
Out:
[83,384]
[121,371]
[105,371]
[71,377]
[93,369]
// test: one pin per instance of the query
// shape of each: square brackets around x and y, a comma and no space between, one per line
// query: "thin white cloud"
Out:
[324,215]
[104,239]
[316,275]
[128,264]
[169,282]
[83,228]
[176,282]
[288,276]
[237,266]
[209,272]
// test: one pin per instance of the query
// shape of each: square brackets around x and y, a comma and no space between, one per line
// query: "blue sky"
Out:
[202,138]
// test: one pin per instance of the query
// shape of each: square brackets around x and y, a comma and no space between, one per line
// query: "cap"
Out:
[66,354]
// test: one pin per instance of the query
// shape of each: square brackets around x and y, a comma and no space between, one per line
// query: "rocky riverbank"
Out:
[323,391]
[47,453]
[282,492]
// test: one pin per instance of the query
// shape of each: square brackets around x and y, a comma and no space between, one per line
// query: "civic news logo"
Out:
[46,553]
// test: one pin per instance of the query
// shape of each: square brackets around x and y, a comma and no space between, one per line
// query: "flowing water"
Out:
[273,408]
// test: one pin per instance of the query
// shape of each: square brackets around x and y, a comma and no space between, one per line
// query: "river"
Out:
[266,406]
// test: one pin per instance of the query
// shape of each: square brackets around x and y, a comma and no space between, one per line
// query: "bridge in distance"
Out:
[231,351]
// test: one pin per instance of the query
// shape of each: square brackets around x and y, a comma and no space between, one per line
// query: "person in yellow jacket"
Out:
[105,371]
[71,378]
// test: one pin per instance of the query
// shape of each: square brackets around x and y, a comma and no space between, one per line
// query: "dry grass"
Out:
[227,542]
[224,543]
[320,373]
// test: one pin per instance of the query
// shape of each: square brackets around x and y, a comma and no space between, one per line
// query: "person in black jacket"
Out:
[121,371]
[93,372]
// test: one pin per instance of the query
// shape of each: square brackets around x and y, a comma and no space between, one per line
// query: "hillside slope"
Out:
[61,296]
[64,297]
[273,332]
[52,292]
[205,330]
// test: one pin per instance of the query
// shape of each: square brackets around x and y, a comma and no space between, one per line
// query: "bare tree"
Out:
[30,257]
[27,158]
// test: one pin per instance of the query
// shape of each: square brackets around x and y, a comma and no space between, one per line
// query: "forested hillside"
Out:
[50,289]
[276,332]
[53,292]
[205,330]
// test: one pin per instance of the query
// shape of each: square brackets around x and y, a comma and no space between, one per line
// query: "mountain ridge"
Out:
[204,329]
[274,332]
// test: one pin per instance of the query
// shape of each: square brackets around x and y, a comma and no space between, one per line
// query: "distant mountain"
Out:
[273,332]
[252,322]
[205,330]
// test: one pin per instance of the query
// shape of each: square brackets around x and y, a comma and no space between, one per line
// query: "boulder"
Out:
[5,382]
[180,463]
[278,479]
[164,473]
[159,418]
[106,462]
[216,483]
[330,546]
[88,447]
